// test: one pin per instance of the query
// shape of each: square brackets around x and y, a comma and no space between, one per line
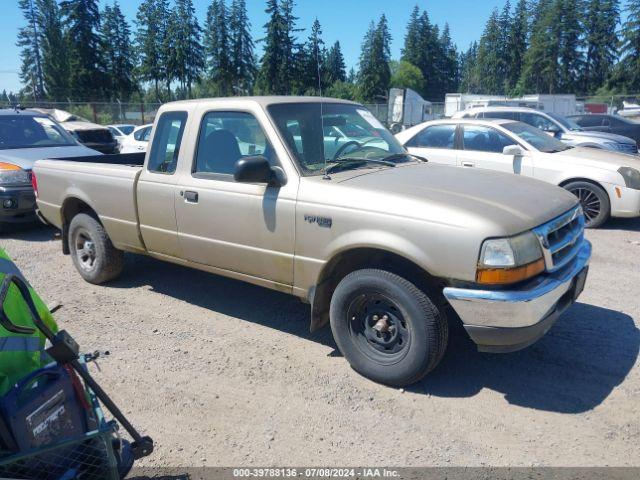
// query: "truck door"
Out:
[237,227]
[157,185]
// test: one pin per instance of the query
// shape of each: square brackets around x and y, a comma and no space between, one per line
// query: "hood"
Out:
[598,158]
[598,136]
[512,203]
[26,157]
[74,126]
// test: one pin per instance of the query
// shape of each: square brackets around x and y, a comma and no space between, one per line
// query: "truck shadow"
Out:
[219,294]
[573,369]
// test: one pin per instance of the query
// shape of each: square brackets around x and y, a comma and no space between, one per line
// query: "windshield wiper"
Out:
[396,156]
[351,162]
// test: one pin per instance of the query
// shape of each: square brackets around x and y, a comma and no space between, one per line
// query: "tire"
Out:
[411,334]
[92,252]
[594,200]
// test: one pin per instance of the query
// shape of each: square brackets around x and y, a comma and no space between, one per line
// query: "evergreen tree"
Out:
[151,34]
[570,43]
[82,22]
[375,74]
[469,82]
[602,18]
[336,69]
[292,52]
[626,76]
[117,56]
[55,67]
[269,79]
[314,70]
[217,44]
[186,60]
[448,65]
[31,72]
[541,69]
[516,45]
[490,62]
[242,57]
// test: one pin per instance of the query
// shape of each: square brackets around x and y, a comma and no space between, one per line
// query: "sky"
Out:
[343,20]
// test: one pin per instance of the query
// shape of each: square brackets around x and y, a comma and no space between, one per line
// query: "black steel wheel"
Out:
[594,200]
[388,330]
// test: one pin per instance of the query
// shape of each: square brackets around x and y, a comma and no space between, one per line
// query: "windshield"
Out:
[25,131]
[126,129]
[343,132]
[566,122]
[533,136]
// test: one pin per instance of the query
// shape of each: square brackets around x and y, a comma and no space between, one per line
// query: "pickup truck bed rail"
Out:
[133,159]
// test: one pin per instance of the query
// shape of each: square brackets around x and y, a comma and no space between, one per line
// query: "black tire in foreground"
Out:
[93,254]
[388,330]
[594,200]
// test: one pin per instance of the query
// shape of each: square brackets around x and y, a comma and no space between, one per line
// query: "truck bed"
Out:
[105,183]
[130,159]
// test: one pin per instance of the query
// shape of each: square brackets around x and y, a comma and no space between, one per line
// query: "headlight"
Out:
[631,177]
[11,174]
[510,260]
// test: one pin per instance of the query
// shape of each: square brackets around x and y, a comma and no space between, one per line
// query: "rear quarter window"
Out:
[163,156]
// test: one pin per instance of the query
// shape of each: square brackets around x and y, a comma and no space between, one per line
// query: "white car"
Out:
[137,141]
[121,131]
[607,183]
[557,126]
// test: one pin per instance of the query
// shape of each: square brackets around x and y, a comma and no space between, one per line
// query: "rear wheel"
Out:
[388,329]
[594,200]
[92,252]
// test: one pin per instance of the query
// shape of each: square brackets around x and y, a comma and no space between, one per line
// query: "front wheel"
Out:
[594,201]
[388,330]
[93,254]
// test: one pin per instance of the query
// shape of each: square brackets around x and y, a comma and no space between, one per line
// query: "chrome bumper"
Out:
[516,318]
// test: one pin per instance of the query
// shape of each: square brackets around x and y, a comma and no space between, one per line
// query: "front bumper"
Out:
[509,320]
[21,204]
[625,202]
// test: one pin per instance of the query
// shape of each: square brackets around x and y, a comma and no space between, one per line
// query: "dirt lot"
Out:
[223,373]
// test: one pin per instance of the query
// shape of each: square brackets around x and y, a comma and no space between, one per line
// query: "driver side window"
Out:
[484,139]
[538,121]
[225,138]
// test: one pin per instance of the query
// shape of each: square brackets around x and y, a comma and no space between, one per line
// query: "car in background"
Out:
[25,137]
[137,140]
[120,131]
[562,128]
[92,135]
[606,183]
[608,124]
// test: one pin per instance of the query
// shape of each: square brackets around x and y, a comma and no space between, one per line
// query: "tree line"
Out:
[556,46]
[72,49]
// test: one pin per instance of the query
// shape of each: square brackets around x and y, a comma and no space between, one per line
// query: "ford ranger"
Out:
[385,247]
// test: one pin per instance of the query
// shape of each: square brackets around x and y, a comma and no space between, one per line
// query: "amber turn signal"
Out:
[504,276]
[9,166]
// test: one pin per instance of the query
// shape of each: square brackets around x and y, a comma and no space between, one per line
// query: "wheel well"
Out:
[72,207]
[360,258]
[586,180]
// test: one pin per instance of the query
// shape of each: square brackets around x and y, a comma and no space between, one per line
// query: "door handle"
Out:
[191,197]
[468,164]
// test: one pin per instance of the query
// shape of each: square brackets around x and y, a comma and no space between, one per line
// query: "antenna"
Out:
[324,156]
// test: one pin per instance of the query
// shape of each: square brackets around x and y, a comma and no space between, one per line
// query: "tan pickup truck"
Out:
[318,199]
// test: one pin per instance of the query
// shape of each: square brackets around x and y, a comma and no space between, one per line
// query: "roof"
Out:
[28,113]
[266,100]
[500,108]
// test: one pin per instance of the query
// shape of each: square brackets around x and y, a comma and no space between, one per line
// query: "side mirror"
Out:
[513,151]
[256,169]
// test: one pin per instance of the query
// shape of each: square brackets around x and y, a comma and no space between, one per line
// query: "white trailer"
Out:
[560,104]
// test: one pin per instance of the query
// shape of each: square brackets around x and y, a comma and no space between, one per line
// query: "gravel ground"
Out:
[221,373]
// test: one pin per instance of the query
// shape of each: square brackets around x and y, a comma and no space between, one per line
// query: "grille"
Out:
[95,136]
[561,238]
